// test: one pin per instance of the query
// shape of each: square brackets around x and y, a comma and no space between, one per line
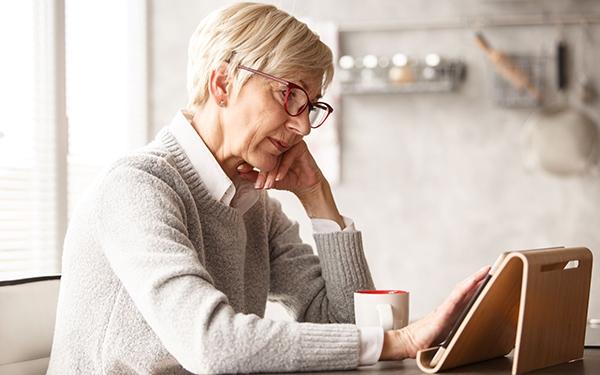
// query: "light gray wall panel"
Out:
[436,182]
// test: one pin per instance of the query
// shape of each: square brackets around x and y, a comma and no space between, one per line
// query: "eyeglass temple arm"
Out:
[264,74]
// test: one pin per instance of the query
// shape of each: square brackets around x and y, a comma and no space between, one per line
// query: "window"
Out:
[30,146]
[106,94]
[94,73]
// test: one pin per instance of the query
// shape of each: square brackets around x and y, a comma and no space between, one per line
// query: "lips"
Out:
[282,146]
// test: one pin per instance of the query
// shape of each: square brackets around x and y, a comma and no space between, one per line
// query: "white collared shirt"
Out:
[221,188]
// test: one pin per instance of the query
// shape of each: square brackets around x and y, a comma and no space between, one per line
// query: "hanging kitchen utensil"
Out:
[563,140]
[508,68]
[586,91]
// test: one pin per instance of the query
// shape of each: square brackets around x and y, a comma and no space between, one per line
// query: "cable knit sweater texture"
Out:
[160,278]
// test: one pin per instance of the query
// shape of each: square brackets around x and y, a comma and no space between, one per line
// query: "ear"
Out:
[219,84]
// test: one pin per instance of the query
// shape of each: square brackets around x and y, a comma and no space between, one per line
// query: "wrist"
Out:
[397,345]
[318,203]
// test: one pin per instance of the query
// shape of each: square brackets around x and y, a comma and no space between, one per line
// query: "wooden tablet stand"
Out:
[536,302]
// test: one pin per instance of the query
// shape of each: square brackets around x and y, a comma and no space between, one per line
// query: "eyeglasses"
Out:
[296,101]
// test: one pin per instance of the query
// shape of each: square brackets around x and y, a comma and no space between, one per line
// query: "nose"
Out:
[299,124]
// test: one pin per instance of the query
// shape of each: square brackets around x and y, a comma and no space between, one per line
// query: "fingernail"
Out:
[240,167]
[278,177]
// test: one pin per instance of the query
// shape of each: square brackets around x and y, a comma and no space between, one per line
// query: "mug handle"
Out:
[386,316]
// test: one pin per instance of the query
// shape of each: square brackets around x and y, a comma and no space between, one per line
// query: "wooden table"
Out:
[590,365]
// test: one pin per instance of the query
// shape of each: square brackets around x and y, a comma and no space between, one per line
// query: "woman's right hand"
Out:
[422,334]
[296,171]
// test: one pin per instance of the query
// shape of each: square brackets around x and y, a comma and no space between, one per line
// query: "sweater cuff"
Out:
[328,346]
[342,254]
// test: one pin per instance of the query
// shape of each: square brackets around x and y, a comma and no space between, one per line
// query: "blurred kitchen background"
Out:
[444,150]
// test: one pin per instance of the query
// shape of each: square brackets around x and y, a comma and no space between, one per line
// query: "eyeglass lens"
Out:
[297,100]
[317,115]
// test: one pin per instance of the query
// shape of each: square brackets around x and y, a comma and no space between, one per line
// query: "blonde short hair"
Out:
[258,36]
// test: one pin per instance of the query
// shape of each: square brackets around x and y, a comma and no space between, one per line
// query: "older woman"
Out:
[171,256]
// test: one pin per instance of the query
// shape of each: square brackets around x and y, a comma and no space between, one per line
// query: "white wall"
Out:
[436,182]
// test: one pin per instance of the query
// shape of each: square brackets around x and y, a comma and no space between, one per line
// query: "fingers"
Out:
[247,172]
[260,180]
[271,176]
[250,176]
[265,180]
[268,180]
[244,168]
[284,165]
[297,157]
[464,290]
[472,281]
[480,275]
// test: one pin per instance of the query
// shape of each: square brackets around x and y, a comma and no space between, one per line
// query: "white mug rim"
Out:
[380,292]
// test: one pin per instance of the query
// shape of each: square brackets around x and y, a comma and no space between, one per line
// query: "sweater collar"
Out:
[219,185]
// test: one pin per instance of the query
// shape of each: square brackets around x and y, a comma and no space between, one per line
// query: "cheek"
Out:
[267,121]
[256,118]
[248,132]
[259,131]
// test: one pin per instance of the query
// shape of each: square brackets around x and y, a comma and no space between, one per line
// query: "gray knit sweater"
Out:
[160,278]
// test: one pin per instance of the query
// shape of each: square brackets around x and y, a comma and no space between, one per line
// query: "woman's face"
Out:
[257,128]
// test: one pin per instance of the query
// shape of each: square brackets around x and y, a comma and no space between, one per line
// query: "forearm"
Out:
[319,203]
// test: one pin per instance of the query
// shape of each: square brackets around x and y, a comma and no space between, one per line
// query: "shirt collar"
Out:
[217,182]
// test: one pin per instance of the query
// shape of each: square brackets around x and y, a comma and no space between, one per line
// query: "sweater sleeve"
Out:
[142,230]
[315,288]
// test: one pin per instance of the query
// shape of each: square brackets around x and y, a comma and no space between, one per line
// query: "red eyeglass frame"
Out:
[290,86]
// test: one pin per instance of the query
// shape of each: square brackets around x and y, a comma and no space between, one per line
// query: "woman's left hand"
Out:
[296,171]
[423,333]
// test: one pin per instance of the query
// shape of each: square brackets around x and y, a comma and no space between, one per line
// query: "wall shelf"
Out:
[416,77]
[407,88]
